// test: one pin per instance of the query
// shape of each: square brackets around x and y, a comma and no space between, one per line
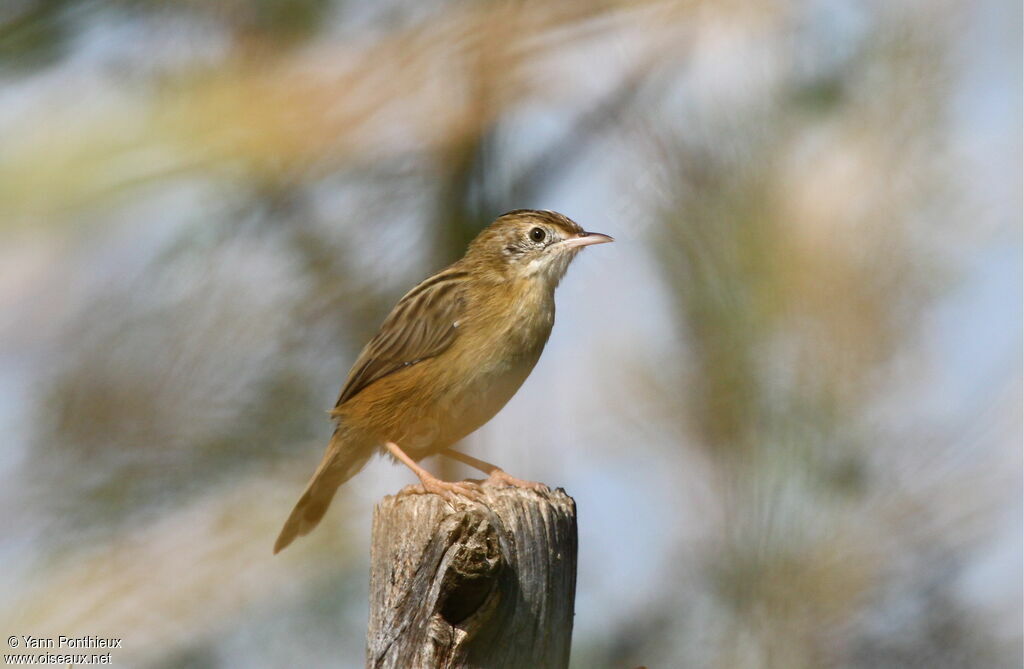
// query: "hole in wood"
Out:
[473,570]
[466,599]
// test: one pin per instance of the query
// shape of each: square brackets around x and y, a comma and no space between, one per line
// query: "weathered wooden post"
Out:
[486,585]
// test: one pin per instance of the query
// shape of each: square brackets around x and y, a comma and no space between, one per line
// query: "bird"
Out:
[446,359]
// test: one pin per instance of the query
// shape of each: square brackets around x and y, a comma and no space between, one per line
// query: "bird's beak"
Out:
[585,239]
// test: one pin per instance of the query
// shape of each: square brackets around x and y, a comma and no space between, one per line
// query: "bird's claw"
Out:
[500,476]
[454,492]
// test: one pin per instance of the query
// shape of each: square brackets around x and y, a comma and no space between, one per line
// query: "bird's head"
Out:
[529,243]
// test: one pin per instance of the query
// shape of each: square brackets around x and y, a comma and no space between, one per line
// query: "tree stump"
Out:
[485,585]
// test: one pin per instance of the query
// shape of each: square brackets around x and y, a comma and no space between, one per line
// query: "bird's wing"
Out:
[422,325]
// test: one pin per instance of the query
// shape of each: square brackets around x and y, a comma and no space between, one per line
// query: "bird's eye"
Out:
[538,234]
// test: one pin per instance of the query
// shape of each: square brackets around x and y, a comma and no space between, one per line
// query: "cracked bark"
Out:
[485,585]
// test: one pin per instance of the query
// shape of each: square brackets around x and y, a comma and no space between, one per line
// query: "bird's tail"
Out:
[341,462]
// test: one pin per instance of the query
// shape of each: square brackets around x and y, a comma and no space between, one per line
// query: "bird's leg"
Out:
[494,472]
[432,484]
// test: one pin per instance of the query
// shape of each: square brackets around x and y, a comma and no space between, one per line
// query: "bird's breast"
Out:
[498,353]
[484,395]
[434,403]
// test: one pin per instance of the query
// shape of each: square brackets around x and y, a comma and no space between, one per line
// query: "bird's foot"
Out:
[501,477]
[453,492]
[430,484]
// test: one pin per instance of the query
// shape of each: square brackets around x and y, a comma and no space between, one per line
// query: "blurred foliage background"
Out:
[787,400]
